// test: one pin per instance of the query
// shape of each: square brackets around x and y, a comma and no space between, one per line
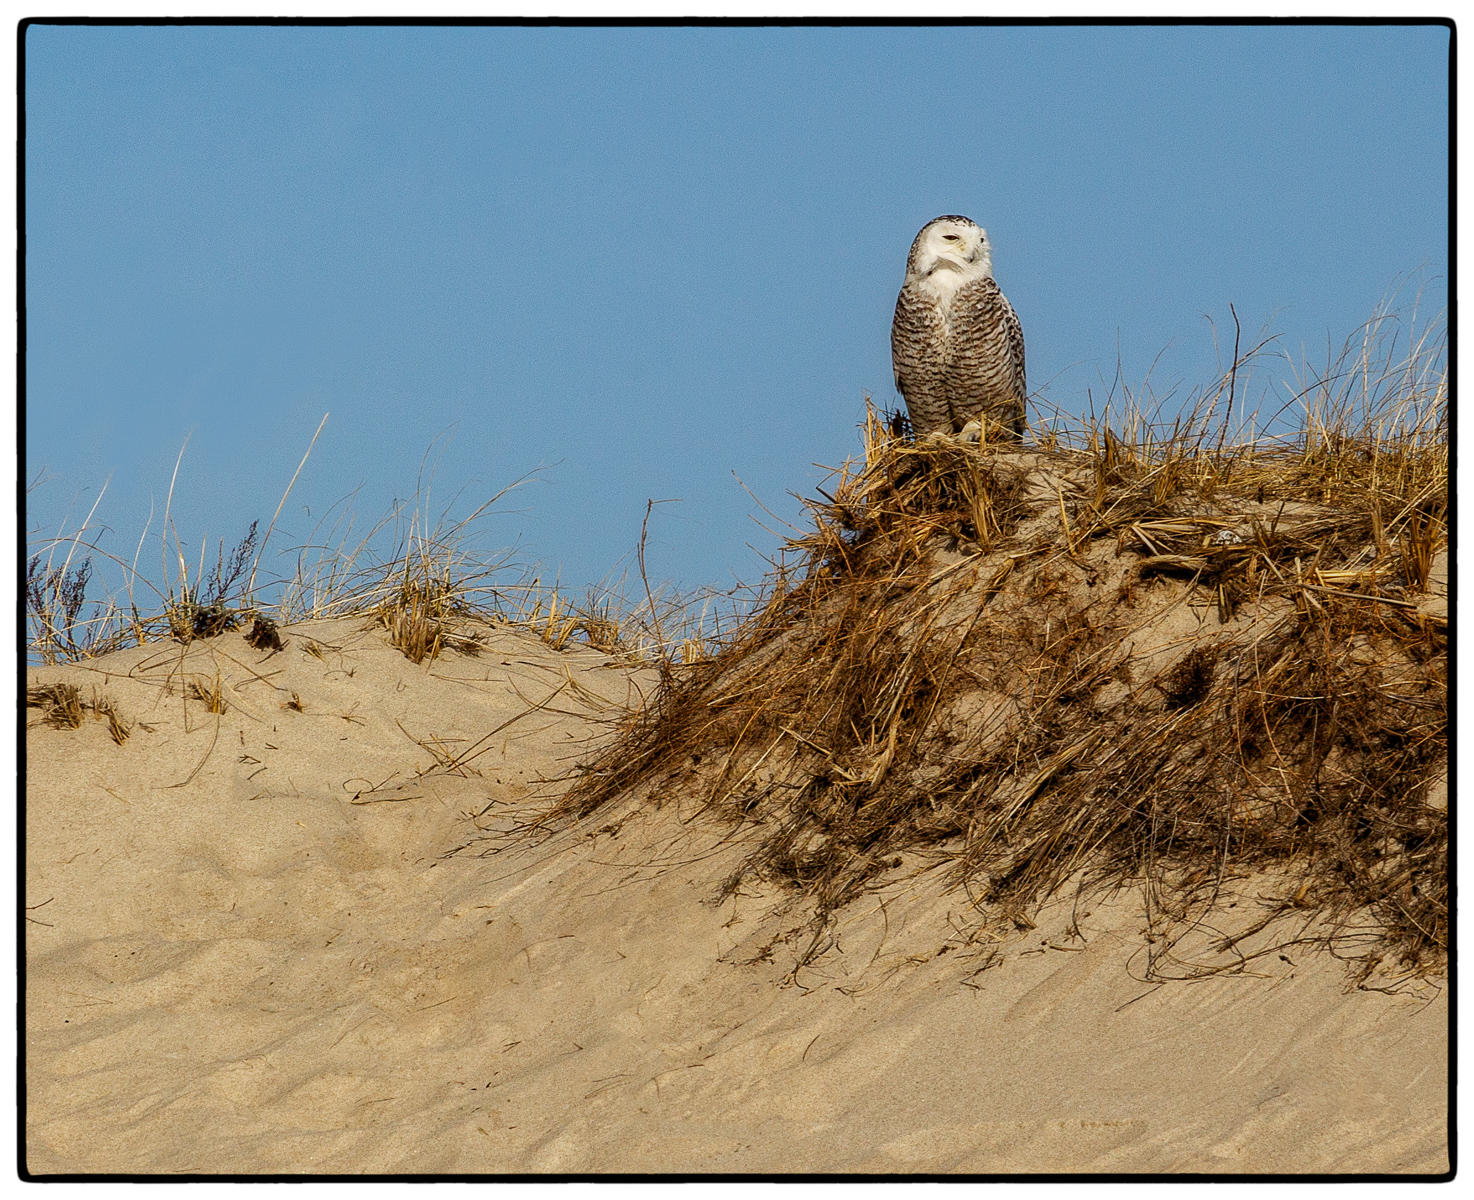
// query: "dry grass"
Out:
[419,619]
[60,704]
[432,586]
[1122,655]
[264,634]
[66,626]
[62,707]
[660,625]
[118,729]
[209,692]
[425,580]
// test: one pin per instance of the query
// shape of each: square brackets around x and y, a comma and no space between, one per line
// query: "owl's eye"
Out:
[950,237]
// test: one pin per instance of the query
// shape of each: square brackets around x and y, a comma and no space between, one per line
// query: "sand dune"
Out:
[304,935]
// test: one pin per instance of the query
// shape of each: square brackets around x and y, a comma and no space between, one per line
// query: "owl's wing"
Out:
[1015,333]
[994,332]
[908,333]
[989,356]
[916,332]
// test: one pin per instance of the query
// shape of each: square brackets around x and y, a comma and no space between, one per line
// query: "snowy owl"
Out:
[956,344]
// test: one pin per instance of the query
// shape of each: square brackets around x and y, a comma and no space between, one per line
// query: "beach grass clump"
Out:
[62,623]
[106,711]
[60,704]
[659,624]
[1120,655]
[426,581]
[420,621]
[62,707]
[209,692]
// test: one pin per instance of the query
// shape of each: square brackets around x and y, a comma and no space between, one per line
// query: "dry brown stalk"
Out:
[210,693]
[118,729]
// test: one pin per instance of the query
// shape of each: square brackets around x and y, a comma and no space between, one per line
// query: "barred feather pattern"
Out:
[959,359]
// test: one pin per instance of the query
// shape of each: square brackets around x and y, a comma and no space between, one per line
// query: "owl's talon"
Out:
[972,433]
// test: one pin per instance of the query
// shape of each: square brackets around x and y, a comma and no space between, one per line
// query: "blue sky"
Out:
[638,262]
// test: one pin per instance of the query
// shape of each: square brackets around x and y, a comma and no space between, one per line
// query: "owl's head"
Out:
[955,246]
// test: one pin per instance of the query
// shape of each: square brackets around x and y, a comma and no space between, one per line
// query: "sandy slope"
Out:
[251,950]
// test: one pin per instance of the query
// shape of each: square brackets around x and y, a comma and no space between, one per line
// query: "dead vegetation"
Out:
[60,704]
[264,634]
[1119,656]
[423,579]
[418,619]
[62,707]
[209,692]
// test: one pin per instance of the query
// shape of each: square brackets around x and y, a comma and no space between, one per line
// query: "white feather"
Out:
[942,265]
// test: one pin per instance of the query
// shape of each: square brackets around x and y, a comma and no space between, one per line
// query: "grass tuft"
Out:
[210,693]
[60,704]
[62,707]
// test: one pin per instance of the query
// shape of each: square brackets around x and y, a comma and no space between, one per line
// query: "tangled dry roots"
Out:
[1169,665]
